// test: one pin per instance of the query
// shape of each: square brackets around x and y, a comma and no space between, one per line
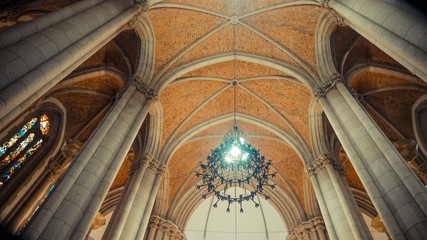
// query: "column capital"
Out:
[167,227]
[305,228]
[326,87]
[325,4]
[321,162]
[148,92]
[143,3]
[157,167]
[54,169]
[140,161]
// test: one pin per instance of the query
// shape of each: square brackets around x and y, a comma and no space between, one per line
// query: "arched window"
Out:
[17,150]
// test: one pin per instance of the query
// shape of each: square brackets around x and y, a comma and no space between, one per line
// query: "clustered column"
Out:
[38,54]
[397,194]
[399,32]
[118,220]
[140,211]
[314,229]
[339,209]
[71,209]
[161,229]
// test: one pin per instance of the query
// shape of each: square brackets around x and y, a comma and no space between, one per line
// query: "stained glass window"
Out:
[18,150]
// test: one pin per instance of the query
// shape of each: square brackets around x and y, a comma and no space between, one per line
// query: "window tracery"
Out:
[15,152]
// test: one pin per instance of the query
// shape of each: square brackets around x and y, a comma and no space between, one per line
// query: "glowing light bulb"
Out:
[242,140]
[235,152]
[245,156]
[228,158]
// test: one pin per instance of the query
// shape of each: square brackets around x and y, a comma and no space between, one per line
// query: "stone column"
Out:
[139,214]
[339,208]
[71,209]
[396,192]
[38,54]
[53,171]
[393,29]
[313,229]
[161,229]
[121,213]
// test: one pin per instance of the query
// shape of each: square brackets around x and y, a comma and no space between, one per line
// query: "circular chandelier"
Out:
[235,163]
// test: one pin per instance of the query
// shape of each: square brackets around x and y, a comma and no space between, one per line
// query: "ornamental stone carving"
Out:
[303,230]
[321,162]
[157,167]
[167,227]
[143,3]
[139,162]
[54,169]
[324,4]
[148,92]
[324,89]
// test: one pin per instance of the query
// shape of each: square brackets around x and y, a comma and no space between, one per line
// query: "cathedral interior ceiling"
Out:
[189,30]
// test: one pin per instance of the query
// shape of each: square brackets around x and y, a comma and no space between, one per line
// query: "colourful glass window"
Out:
[19,149]
[17,136]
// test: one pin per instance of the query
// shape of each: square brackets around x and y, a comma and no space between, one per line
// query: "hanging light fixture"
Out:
[235,163]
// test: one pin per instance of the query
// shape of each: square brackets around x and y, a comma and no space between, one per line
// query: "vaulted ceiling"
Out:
[202,46]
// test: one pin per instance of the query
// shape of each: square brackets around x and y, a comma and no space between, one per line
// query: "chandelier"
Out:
[235,163]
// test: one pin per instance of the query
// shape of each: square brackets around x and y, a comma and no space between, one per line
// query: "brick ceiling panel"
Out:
[248,41]
[246,6]
[78,114]
[177,103]
[290,98]
[221,6]
[185,160]
[286,161]
[222,128]
[219,42]
[368,81]
[397,106]
[284,25]
[223,104]
[174,34]
[104,84]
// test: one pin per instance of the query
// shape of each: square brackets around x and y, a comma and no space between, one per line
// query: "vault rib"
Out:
[188,7]
[275,111]
[207,78]
[189,48]
[277,6]
[281,47]
[206,101]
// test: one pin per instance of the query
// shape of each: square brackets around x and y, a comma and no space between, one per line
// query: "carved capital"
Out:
[324,4]
[167,227]
[12,14]
[324,89]
[321,162]
[338,18]
[139,162]
[143,3]
[157,167]
[54,169]
[148,92]
[305,228]
[71,148]
[99,221]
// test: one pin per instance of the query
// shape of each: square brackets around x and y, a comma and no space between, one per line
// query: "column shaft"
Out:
[150,204]
[395,31]
[397,194]
[23,30]
[323,208]
[349,210]
[74,204]
[122,212]
[30,65]
[139,206]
